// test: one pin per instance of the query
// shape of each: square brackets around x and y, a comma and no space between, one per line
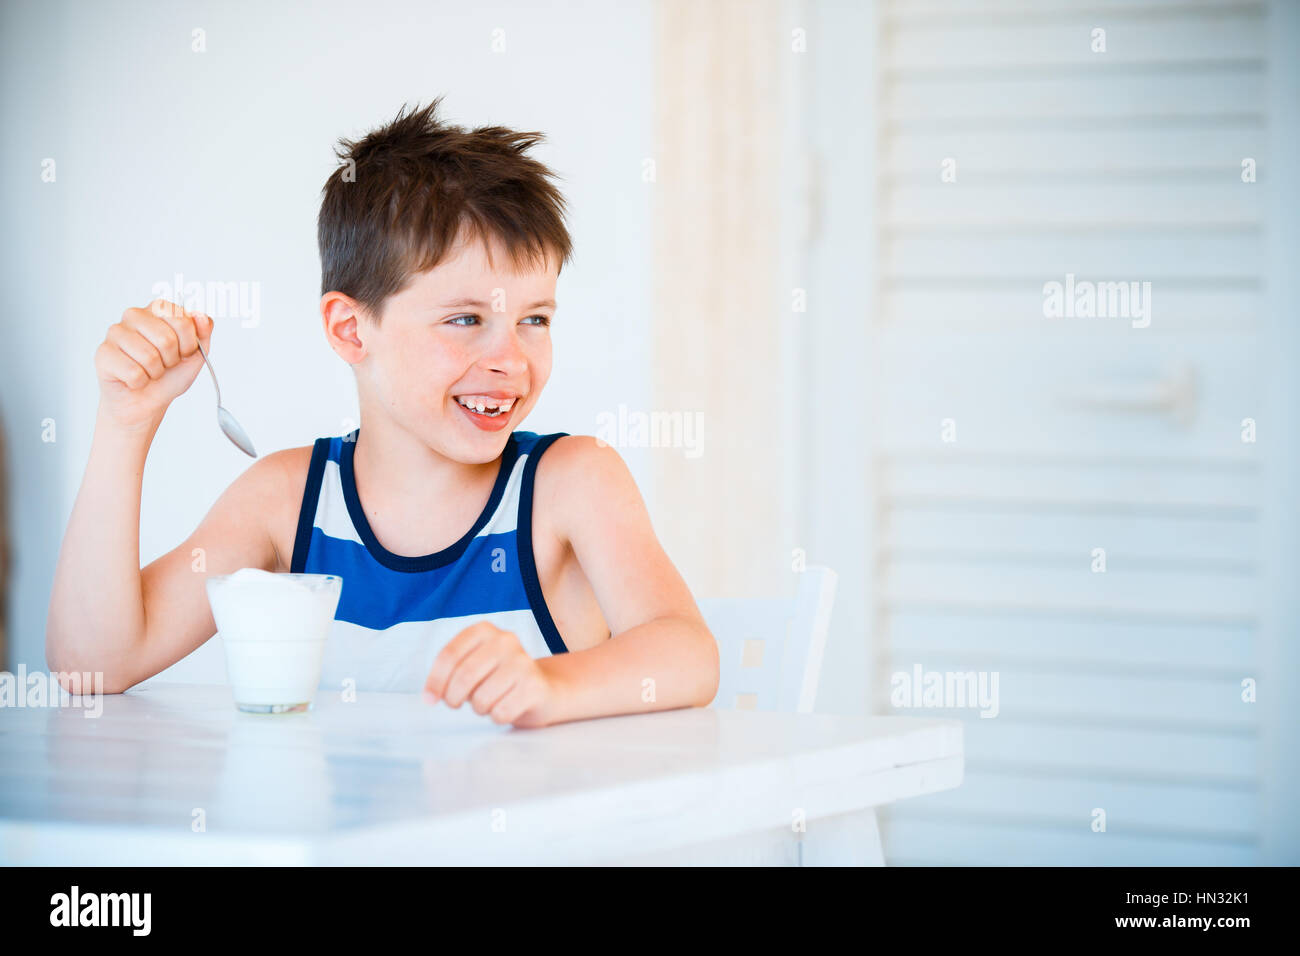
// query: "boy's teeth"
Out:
[481,406]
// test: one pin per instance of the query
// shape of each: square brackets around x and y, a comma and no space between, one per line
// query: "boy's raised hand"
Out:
[490,668]
[147,359]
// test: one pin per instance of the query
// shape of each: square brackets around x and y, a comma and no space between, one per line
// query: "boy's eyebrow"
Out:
[481,304]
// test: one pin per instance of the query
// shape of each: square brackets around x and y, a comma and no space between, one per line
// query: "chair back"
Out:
[771,649]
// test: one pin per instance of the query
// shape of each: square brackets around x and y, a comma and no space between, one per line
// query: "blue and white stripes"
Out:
[396,612]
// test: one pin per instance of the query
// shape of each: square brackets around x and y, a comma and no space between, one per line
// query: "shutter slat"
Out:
[1015,45]
[1131,541]
[1002,843]
[1067,801]
[1115,95]
[1062,152]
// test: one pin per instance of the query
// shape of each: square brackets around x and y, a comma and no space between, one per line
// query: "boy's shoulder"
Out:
[285,469]
[269,492]
[276,474]
[580,477]
[574,456]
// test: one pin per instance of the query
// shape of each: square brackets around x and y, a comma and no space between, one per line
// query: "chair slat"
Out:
[771,649]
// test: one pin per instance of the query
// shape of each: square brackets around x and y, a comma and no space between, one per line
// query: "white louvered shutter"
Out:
[1118,690]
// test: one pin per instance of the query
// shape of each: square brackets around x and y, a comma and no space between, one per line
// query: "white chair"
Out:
[771,649]
[770,653]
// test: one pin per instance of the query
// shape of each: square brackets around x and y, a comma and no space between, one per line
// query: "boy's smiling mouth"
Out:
[487,410]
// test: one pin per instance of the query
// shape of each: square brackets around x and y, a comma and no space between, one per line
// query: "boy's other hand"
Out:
[147,359]
[489,667]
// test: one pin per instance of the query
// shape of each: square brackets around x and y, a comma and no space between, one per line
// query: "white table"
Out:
[174,774]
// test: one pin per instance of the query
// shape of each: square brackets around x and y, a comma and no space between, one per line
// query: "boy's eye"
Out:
[456,320]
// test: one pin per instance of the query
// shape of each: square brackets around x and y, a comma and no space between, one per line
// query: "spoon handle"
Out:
[212,371]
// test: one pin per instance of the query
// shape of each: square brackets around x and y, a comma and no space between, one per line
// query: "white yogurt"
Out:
[273,627]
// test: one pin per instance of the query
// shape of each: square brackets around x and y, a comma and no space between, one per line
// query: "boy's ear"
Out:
[344,328]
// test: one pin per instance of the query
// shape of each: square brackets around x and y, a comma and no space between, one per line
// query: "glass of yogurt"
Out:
[274,626]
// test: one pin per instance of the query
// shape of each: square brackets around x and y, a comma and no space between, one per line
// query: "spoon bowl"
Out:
[235,433]
[229,425]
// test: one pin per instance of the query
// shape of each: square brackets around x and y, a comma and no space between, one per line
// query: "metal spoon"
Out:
[227,420]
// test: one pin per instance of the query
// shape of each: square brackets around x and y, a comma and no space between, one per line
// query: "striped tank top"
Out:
[396,612]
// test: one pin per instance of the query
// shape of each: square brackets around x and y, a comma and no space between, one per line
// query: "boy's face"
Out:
[440,340]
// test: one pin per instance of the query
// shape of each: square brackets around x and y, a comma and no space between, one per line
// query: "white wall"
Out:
[211,164]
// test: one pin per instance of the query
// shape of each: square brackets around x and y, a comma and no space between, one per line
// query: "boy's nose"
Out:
[506,355]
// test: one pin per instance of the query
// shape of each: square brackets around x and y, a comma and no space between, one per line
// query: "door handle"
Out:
[1174,395]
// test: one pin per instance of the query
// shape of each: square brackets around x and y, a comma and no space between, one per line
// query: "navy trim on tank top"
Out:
[307,510]
[324,450]
[423,562]
[524,546]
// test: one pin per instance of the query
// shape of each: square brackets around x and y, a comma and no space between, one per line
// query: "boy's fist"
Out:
[147,359]
[488,667]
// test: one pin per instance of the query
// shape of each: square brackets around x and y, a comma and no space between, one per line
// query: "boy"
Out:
[514,571]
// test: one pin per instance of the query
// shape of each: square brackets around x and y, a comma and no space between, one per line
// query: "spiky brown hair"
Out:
[418,183]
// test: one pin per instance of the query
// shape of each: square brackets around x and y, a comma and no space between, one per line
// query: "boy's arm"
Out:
[658,634]
[109,615]
[105,614]
[233,534]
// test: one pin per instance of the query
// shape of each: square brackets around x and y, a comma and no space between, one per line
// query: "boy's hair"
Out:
[405,191]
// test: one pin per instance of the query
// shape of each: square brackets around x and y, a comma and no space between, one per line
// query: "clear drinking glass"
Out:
[274,627]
